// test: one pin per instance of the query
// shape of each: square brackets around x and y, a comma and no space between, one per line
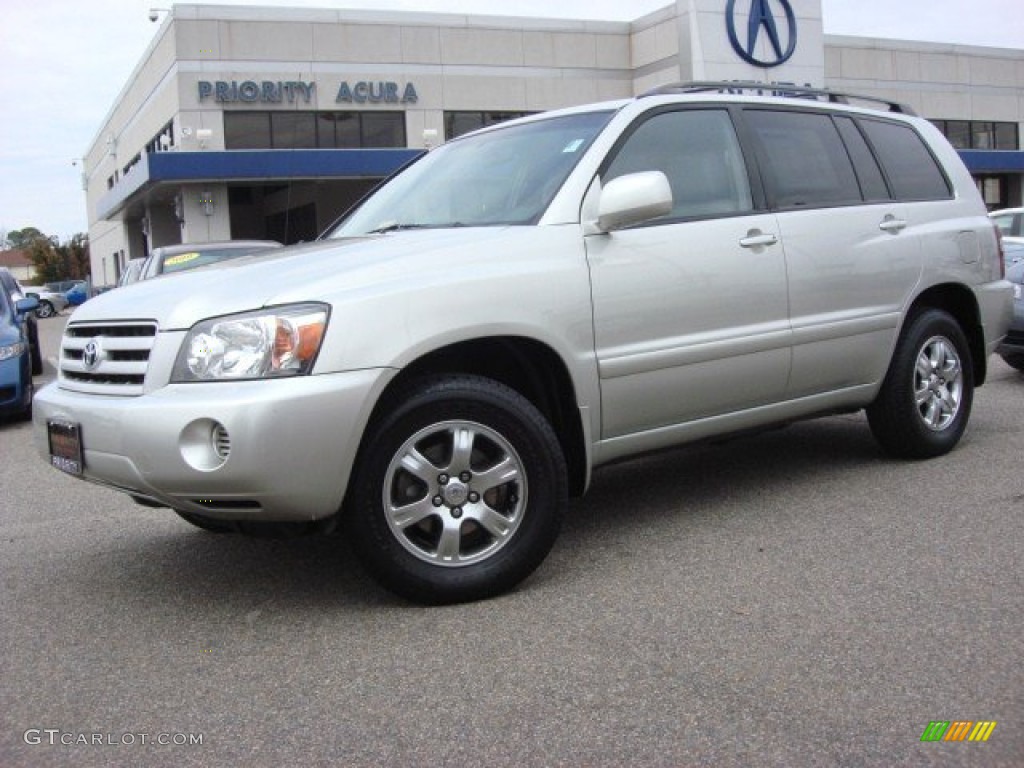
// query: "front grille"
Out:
[106,358]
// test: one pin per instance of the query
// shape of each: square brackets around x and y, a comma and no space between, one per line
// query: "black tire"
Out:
[482,491]
[206,523]
[37,353]
[25,414]
[1014,361]
[925,401]
[45,309]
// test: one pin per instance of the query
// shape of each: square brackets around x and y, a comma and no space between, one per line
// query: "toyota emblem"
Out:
[91,355]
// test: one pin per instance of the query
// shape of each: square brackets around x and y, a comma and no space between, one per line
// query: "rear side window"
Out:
[699,153]
[912,171]
[872,182]
[804,159]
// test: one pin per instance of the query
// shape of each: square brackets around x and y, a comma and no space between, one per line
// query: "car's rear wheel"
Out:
[45,309]
[925,401]
[459,492]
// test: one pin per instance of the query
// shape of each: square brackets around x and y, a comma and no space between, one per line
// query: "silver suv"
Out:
[447,365]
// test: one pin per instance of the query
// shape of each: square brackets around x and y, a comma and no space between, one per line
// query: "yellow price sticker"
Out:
[181,258]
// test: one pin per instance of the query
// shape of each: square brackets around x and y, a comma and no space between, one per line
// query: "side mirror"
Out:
[633,199]
[24,306]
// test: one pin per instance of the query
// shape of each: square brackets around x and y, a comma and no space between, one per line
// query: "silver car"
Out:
[524,304]
[50,302]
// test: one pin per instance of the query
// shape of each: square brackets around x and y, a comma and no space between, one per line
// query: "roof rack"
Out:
[773,89]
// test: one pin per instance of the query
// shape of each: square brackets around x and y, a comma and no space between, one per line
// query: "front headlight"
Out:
[269,343]
[12,350]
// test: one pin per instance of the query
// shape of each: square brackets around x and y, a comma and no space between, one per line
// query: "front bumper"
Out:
[285,451]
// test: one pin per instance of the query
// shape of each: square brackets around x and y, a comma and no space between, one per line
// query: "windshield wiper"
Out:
[394,226]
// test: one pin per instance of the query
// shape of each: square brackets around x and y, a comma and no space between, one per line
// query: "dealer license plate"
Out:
[65,446]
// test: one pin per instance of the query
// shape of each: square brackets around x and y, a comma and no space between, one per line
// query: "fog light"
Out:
[205,444]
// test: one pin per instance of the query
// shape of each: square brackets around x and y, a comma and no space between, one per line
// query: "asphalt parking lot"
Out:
[789,599]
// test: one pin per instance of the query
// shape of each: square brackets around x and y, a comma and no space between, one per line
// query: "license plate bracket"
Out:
[65,446]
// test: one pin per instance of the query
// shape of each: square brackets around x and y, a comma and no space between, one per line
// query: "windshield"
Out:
[505,176]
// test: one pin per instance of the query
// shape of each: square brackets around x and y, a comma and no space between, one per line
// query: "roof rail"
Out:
[773,89]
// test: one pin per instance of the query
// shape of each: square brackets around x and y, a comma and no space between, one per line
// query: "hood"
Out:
[322,271]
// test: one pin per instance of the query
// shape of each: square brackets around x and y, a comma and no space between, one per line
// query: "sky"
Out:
[65,62]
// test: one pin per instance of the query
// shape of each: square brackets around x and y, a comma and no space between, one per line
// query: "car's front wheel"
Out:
[45,309]
[36,351]
[459,492]
[925,400]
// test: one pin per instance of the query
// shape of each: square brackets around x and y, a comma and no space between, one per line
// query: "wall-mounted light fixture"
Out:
[203,136]
[206,202]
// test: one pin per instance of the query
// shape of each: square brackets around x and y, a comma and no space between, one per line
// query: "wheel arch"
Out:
[959,301]
[530,367]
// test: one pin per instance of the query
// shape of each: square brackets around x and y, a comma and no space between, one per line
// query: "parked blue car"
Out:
[77,294]
[15,356]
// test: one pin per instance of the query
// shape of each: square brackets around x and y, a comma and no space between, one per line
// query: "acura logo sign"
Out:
[762,24]
[91,355]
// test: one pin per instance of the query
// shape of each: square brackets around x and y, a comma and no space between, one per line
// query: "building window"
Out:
[163,141]
[338,130]
[979,134]
[381,129]
[247,130]
[1006,136]
[311,130]
[458,123]
[293,130]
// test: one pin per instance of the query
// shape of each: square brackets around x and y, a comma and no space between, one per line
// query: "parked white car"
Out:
[526,303]
[1011,224]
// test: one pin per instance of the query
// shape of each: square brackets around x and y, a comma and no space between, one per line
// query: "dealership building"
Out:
[258,122]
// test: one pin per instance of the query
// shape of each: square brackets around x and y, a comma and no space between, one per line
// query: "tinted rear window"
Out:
[912,171]
[872,183]
[806,161]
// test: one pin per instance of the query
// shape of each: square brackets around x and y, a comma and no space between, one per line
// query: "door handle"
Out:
[891,224]
[756,238]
